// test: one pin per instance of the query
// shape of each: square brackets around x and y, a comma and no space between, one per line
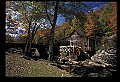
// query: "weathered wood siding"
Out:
[78,40]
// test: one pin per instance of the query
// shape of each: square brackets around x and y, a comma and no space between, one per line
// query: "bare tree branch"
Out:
[47,14]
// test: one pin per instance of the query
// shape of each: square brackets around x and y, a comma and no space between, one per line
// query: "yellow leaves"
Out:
[56,33]
[74,22]
[64,25]
[24,34]
[71,29]
[8,3]
[8,16]
[42,33]
[24,25]
[89,26]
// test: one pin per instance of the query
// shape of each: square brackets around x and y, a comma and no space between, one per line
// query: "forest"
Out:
[34,22]
[102,22]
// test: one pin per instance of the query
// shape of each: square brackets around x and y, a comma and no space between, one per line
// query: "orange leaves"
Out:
[89,26]
[42,33]
[112,18]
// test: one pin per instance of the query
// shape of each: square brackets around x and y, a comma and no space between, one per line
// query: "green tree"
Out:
[32,14]
[101,28]
[66,9]
[53,9]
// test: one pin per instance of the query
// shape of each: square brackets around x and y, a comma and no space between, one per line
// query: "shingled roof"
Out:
[79,33]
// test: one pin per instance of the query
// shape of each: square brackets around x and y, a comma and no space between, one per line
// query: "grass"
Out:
[20,67]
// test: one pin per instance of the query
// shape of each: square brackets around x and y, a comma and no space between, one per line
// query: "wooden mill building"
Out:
[82,44]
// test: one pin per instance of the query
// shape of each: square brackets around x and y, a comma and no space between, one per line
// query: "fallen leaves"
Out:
[20,67]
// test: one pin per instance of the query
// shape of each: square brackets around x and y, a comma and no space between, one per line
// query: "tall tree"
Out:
[54,8]
[66,9]
[32,15]
[34,11]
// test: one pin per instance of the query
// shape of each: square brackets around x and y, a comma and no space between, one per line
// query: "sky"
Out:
[95,6]
[60,19]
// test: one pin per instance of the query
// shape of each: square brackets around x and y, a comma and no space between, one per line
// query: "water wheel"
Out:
[77,51]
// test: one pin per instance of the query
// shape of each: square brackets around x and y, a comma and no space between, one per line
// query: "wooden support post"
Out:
[70,42]
[88,43]
[69,60]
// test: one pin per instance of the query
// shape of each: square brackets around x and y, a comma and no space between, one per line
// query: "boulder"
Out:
[104,58]
[107,55]
[104,62]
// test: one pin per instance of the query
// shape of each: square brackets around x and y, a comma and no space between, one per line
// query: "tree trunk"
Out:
[31,39]
[27,40]
[29,48]
[26,48]
[51,44]
[50,57]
